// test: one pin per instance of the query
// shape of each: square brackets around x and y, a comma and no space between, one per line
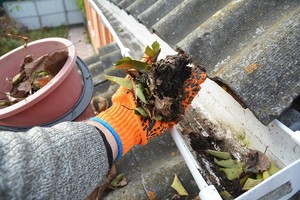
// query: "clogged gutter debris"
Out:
[225,161]
[157,86]
[33,75]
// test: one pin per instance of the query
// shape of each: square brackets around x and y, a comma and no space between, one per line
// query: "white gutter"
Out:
[124,50]
[207,192]
[294,135]
[210,94]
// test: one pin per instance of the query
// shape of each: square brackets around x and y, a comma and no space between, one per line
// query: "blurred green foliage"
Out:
[8,26]
[80,4]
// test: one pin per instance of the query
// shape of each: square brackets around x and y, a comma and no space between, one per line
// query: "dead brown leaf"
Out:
[257,162]
[55,62]
[33,75]
[25,86]
[26,60]
[35,66]
[163,105]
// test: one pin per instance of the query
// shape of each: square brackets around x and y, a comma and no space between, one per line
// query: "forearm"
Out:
[66,161]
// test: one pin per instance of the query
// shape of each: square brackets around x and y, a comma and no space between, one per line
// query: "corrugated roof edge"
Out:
[255,23]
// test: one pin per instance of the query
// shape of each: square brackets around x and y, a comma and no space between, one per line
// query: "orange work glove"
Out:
[130,129]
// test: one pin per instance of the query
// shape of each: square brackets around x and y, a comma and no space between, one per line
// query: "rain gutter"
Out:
[207,192]
[284,183]
[124,50]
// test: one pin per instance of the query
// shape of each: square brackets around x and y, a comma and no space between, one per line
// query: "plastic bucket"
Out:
[57,99]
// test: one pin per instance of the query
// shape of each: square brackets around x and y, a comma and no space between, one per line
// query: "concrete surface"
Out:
[79,36]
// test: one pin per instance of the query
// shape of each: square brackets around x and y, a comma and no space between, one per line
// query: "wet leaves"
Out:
[233,172]
[219,154]
[140,93]
[250,183]
[224,163]
[256,169]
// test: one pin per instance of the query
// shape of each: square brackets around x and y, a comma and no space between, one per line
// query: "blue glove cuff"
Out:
[113,132]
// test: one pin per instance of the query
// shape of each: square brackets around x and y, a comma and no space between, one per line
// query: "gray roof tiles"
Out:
[185,18]
[125,3]
[139,6]
[251,46]
[157,11]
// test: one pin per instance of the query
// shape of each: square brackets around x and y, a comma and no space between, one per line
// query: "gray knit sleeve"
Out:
[66,161]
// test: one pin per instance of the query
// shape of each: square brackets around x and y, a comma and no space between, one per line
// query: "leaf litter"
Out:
[157,85]
[232,172]
[33,75]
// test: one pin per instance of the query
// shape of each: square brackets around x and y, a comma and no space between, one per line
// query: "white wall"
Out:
[36,14]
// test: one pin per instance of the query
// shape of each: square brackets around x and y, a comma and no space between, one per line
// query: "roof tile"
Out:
[125,3]
[251,46]
[185,18]
[139,6]
[157,11]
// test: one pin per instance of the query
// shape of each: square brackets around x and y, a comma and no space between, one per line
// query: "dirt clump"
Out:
[165,81]
[159,86]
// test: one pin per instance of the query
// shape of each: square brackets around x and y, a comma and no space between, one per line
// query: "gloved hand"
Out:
[130,129]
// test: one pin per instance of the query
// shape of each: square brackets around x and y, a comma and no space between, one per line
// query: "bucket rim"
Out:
[80,106]
[50,86]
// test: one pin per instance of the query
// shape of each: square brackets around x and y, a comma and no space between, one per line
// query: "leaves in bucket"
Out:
[33,75]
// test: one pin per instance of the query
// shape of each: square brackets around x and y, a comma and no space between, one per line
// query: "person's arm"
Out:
[66,161]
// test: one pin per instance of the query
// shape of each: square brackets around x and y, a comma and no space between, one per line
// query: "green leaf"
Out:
[259,175]
[273,168]
[149,52]
[226,195]
[219,154]
[266,175]
[155,47]
[250,183]
[140,94]
[177,185]
[128,63]
[4,103]
[117,180]
[141,111]
[158,118]
[148,93]
[123,60]
[224,163]
[232,173]
[243,180]
[121,81]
